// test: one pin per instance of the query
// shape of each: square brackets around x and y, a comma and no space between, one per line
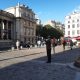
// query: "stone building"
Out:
[18,23]
[25,22]
[7,29]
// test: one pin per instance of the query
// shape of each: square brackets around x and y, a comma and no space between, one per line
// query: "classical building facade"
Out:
[7,29]
[18,23]
[25,22]
[72,25]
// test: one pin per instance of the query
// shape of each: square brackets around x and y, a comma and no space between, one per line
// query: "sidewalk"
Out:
[31,65]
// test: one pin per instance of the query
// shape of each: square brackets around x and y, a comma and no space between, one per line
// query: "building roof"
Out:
[7,14]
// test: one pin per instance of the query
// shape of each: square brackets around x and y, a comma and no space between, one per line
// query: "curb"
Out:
[71,65]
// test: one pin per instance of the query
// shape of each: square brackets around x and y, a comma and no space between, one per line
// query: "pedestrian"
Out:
[64,44]
[21,44]
[39,43]
[71,44]
[48,49]
[17,44]
[53,42]
[28,44]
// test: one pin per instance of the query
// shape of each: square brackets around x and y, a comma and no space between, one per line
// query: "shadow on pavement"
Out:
[67,56]
[31,70]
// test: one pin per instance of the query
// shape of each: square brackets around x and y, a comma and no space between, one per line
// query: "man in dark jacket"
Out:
[71,44]
[48,49]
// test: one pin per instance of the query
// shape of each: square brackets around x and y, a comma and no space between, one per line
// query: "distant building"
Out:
[17,23]
[50,22]
[55,24]
[72,25]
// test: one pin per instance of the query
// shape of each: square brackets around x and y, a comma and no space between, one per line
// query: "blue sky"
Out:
[46,9]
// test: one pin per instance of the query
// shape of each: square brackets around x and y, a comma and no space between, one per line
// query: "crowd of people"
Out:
[20,44]
[50,42]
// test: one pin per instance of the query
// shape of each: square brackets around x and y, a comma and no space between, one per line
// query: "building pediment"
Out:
[6,14]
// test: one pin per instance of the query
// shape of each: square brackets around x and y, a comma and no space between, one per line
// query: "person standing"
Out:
[39,43]
[48,49]
[71,44]
[28,44]
[64,44]
[17,44]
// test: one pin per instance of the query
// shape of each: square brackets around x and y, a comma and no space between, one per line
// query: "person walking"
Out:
[17,44]
[48,49]
[64,44]
[71,44]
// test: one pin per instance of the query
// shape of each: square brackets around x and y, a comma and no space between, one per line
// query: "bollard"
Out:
[21,47]
[12,48]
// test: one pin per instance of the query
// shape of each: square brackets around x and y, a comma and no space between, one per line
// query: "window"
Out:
[78,31]
[24,22]
[32,31]
[24,14]
[69,17]
[73,32]
[73,21]
[73,25]
[68,32]
[68,26]
[77,20]
[68,21]
[28,33]
[25,31]
[77,25]
[28,23]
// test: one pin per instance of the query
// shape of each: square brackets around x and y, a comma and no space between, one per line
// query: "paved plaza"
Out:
[30,64]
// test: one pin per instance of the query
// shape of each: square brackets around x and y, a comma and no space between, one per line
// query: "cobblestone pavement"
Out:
[30,64]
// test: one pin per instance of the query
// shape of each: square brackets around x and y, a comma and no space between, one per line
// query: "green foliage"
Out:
[48,30]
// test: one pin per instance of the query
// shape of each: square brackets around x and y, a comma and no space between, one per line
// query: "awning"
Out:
[78,38]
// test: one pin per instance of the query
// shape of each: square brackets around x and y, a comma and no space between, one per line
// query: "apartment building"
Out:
[72,25]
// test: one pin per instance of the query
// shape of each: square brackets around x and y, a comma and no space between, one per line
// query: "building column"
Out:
[2,30]
[7,29]
[3,25]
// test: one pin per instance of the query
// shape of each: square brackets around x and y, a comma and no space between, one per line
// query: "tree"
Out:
[48,30]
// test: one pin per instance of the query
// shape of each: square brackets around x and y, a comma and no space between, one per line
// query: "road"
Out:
[30,64]
[11,57]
